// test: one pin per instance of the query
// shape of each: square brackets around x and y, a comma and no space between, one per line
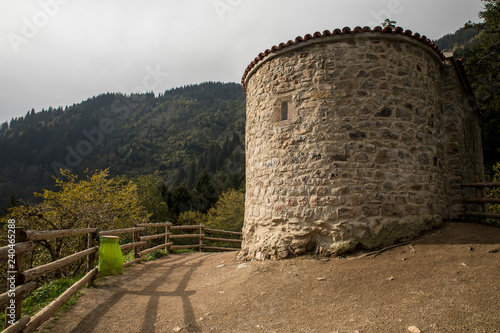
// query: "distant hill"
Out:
[457,40]
[175,135]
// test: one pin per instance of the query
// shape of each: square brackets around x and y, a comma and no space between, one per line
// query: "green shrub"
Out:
[229,212]
[156,255]
[495,192]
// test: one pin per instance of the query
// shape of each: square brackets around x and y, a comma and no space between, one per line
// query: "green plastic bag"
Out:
[110,256]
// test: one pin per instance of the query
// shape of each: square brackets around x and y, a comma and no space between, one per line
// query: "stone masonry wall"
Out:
[361,161]
[464,154]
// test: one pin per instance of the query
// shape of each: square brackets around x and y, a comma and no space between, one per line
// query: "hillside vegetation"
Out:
[174,136]
[457,40]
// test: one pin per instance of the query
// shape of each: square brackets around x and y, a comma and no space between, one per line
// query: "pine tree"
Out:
[191,174]
[13,202]
[204,193]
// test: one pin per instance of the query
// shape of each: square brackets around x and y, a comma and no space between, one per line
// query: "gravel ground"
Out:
[446,281]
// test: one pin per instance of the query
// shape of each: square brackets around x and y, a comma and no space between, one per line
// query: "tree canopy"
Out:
[229,211]
[482,62]
[96,201]
[175,136]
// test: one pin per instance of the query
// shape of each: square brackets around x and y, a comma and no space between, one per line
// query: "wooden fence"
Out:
[480,200]
[20,282]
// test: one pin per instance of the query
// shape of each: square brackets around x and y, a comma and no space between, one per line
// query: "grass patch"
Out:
[178,251]
[45,294]
[156,255]
[151,256]
[129,256]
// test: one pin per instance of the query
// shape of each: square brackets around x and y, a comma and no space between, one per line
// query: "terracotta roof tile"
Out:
[346,30]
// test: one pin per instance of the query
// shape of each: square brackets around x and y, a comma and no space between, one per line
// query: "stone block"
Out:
[318,95]
[370,211]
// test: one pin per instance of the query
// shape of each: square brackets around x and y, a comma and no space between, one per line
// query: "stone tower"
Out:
[354,138]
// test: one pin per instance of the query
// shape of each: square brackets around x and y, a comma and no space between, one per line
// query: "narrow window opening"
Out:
[284,110]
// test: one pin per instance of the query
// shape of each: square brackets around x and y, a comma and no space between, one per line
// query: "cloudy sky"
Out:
[60,52]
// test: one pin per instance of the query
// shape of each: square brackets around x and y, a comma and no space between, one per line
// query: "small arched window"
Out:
[284,110]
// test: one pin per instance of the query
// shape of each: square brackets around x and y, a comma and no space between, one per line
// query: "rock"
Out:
[413,329]
[321,279]
[242,266]
[221,265]
[177,329]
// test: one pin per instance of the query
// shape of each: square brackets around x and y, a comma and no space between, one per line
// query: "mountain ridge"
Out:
[131,134]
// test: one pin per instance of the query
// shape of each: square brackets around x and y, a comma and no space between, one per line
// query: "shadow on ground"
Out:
[91,321]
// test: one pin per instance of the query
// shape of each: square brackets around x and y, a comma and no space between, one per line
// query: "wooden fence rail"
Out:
[35,235]
[20,281]
[32,274]
[480,200]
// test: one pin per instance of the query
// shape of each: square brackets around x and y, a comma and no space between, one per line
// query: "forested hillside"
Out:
[174,136]
[458,39]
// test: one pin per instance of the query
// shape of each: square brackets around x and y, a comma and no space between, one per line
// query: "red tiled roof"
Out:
[344,31]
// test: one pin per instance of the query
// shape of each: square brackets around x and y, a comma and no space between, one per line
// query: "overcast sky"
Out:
[60,52]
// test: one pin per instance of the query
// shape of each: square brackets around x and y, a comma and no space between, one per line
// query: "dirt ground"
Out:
[446,281]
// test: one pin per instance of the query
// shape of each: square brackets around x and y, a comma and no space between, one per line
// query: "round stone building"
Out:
[354,138]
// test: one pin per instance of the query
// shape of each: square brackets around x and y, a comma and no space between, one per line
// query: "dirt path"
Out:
[448,281]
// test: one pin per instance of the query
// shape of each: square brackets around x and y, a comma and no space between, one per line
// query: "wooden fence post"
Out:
[167,227]
[202,227]
[14,270]
[479,195]
[136,239]
[91,238]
